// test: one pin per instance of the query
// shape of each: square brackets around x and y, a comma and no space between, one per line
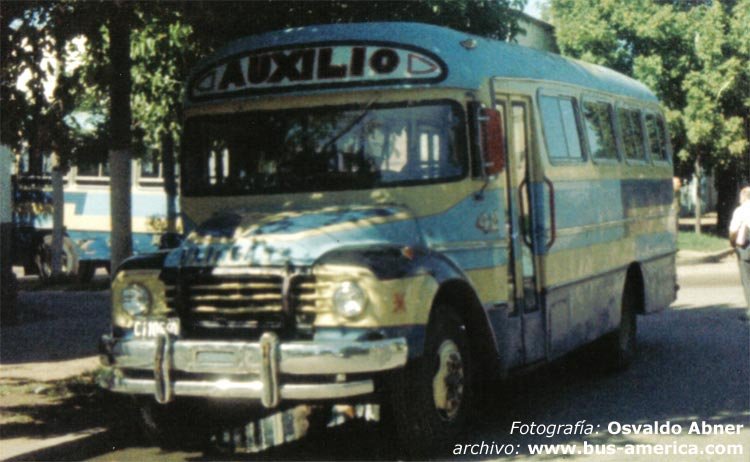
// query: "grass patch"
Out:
[701,243]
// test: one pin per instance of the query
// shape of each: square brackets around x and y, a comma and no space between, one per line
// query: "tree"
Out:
[163,50]
[166,40]
[34,49]
[120,20]
[692,54]
[138,55]
[215,24]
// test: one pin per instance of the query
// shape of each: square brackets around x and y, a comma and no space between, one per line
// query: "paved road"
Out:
[693,367]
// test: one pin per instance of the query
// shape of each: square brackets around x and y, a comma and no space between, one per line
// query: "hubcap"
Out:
[65,259]
[448,383]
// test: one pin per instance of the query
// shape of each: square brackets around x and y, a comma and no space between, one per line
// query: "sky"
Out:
[532,8]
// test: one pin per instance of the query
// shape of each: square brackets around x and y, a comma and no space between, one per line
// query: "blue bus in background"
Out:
[86,244]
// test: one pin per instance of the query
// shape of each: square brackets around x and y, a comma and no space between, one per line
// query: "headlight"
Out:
[349,300]
[136,299]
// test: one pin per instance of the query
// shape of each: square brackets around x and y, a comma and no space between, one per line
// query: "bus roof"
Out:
[465,66]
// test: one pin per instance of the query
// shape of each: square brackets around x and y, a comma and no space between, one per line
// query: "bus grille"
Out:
[243,302]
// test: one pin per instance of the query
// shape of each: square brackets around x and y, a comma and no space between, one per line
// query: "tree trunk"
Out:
[698,175]
[120,119]
[170,182]
[8,287]
[58,201]
[727,182]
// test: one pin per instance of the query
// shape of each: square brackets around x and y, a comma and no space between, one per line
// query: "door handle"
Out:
[524,225]
[552,222]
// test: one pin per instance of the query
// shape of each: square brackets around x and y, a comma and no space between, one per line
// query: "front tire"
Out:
[432,400]
[86,270]
[177,425]
[68,257]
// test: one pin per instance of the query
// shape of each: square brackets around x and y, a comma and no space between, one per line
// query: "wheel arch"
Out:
[459,294]
[634,281]
[453,286]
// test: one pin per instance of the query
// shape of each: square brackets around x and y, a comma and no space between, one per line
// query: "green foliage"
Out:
[215,23]
[693,54]
[35,41]
[163,50]
[166,41]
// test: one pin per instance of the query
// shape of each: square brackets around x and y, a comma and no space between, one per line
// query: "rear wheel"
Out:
[433,399]
[620,345]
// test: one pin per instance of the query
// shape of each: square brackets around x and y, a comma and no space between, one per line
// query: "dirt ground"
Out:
[49,360]
[36,409]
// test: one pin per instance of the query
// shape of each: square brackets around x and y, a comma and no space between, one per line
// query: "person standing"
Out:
[739,238]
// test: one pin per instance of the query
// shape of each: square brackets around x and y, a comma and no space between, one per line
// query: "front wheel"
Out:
[86,271]
[432,399]
[177,425]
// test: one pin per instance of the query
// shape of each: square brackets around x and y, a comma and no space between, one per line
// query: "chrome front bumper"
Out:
[248,370]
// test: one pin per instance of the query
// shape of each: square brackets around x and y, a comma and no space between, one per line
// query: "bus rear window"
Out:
[657,141]
[323,149]
[599,129]
[560,128]
[631,133]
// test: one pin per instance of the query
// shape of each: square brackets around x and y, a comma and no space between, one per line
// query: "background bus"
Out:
[86,216]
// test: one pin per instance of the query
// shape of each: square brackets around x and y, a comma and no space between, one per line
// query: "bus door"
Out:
[524,217]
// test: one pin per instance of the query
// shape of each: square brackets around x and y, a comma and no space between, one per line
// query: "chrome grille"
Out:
[254,299]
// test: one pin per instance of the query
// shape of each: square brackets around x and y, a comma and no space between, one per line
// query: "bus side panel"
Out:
[88,222]
[659,279]
[585,268]
[649,205]
[605,224]
[581,312]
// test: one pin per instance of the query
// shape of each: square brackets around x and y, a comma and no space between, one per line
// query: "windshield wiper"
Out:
[351,125]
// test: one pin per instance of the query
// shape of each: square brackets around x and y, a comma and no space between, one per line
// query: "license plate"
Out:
[150,328]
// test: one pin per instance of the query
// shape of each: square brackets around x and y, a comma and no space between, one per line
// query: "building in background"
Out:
[537,34]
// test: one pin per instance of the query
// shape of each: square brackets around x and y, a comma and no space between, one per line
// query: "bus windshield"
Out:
[323,149]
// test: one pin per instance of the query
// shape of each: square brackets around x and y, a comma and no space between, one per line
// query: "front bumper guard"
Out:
[252,369]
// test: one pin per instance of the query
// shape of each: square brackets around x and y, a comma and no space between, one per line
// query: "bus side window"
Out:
[656,137]
[631,133]
[561,128]
[600,129]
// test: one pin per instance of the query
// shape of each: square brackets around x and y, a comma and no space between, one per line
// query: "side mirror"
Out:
[170,241]
[492,140]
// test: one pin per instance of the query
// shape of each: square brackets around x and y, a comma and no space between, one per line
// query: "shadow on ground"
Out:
[55,326]
[42,410]
[692,366]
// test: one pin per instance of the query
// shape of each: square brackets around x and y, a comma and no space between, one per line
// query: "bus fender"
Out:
[454,287]
[146,261]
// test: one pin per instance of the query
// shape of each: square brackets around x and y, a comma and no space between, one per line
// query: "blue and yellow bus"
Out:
[87,222]
[396,212]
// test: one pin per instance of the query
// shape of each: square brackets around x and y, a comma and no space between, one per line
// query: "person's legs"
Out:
[745,279]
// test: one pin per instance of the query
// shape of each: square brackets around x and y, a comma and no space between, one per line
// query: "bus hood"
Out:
[250,238]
